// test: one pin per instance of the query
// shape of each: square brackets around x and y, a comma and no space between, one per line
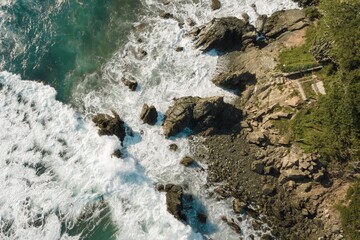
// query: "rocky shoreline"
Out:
[249,159]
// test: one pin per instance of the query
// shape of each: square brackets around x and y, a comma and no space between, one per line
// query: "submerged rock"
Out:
[199,114]
[173,147]
[222,34]
[149,114]
[110,125]
[187,161]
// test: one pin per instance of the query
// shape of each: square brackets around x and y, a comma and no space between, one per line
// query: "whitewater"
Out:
[58,178]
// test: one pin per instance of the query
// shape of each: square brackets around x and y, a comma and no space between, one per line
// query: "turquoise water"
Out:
[60,43]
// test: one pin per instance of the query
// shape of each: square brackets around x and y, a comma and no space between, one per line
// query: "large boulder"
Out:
[110,125]
[283,21]
[199,114]
[223,34]
[149,114]
[174,195]
[215,4]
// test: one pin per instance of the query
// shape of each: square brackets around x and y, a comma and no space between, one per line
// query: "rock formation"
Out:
[110,125]
[149,114]
[199,114]
[130,82]
[223,34]
[174,199]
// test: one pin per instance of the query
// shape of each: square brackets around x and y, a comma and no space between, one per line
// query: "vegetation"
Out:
[350,213]
[298,58]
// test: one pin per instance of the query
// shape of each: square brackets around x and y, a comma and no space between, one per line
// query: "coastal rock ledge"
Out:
[199,114]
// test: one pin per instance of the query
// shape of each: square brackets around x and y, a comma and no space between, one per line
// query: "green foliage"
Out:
[298,58]
[331,126]
[350,215]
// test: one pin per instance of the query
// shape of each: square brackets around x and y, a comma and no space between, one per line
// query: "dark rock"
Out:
[187,161]
[179,49]
[166,2]
[173,147]
[201,217]
[231,223]
[149,114]
[222,34]
[160,187]
[174,194]
[266,237]
[258,166]
[222,192]
[283,21]
[110,125]
[305,3]
[166,15]
[238,205]
[130,82]
[199,114]
[142,53]
[215,4]
[117,153]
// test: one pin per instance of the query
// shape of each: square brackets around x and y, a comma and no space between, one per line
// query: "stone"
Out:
[149,114]
[116,153]
[166,15]
[222,34]
[231,223]
[238,205]
[201,217]
[292,174]
[282,21]
[258,166]
[179,49]
[130,82]
[187,161]
[173,147]
[174,203]
[199,114]
[215,4]
[141,54]
[256,138]
[268,189]
[110,125]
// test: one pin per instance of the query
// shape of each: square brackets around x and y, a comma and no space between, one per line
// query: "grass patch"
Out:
[350,213]
[298,58]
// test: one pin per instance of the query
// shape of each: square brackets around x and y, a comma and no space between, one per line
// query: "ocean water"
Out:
[61,62]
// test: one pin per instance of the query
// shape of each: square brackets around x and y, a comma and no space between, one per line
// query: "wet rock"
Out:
[306,3]
[199,114]
[187,161]
[266,237]
[283,21]
[220,191]
[215,4]
[238,205]
[149,114]
[179,49]
[222,34]
[201,217]
[166,15]
[142,53]
[110,125]
[174,195]
[116,153]
[130,82]
[173,147]
[231,223]
[166,2]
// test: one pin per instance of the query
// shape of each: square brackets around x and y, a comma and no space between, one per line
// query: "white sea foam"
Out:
[37,129]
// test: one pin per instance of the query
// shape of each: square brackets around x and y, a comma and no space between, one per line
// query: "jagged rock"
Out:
[222,34]
[231,223]
[141,54]
[174,195]
[149,114]
[173,147]
[292,174]
[110,125]
[283,21]
[199,114]
[130,82]
[256,138]
[260,23]
[215,4]
[187,161]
